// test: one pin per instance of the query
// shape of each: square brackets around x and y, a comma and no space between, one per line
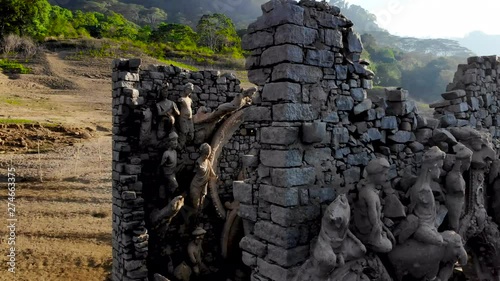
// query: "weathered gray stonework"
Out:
[301,150]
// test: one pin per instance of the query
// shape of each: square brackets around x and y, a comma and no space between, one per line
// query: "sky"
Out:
[435,18]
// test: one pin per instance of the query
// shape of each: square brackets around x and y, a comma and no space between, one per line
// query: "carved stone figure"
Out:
[195,251]
[162,218]
[455,185]
[186,126]
[425,261]
[167,111]
[146,127]
[368,210]
[205,121]
[335,245]
[203,172]
[422,203]
[168,166]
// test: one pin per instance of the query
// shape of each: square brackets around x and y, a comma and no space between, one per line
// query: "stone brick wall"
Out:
[316,130]
[474,96]
[130,238]
[135,168]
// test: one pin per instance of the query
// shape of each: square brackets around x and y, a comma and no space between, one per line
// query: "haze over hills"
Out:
[481,43]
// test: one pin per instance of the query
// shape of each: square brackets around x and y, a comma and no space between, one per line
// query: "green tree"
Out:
[24,17]
[217,32]
[60,23]
[176,34]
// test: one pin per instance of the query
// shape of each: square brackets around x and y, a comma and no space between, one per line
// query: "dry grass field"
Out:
[63,192]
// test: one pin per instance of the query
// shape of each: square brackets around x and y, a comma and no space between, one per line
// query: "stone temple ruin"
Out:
[303,177]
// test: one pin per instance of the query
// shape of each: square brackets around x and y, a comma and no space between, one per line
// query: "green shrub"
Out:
[13,67]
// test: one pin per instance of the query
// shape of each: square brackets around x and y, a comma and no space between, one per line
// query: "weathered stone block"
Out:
[294,112]
[354,42]
[282,91]
[254,246]
[340,135]
[290,257]
[453,94]
[248,259]
[402,137]
[323,58]
[297,73]
[358,159]
[294,216]
[333,38]
[456,108]
[258,113]
[322,195]
[313,132]
[294,34]
[316,156]
[293,176]
[344,103]
[286,237]
[242,192]
[282,53]
[286,197]
[279,13]
[358,94]
[257,40]
[248,212]
[259,76]
[352,175]
[281,158]
[341,71]
[363,106]
[397,95]
[279,135]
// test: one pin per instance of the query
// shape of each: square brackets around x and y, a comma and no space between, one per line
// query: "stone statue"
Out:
[368,210]
[162,218]
[425,261]
[167,111]
[195,251]
[168,166]
[422,203]
[186,126]
[455,185]
[203,172]
[205,121]
[335,245]
[146,127]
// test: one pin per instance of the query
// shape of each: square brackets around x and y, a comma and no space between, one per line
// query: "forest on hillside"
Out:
[207,32]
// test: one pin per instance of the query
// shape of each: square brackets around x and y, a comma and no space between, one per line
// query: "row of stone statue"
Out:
[414,247]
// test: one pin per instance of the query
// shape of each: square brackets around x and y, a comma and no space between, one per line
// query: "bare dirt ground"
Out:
[63,193]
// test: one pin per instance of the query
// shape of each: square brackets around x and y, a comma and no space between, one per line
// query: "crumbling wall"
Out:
[473,98]
[136,176]
[316,130]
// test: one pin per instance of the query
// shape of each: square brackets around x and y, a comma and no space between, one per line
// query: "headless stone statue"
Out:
[336,245]
[168,166]
[455,185]
[423,205]
[167,111]
[368,210]
[203,172]
[186,126]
